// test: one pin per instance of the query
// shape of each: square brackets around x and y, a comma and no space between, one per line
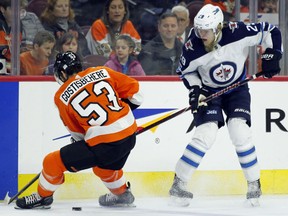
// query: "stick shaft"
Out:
[233,86]
[143,129]
[24,188]
[223,91]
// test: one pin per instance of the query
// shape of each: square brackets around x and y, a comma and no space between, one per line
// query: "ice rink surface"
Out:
[200,206]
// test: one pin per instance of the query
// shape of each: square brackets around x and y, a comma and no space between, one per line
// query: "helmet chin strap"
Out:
[58,80]
[217,36]
[62,77]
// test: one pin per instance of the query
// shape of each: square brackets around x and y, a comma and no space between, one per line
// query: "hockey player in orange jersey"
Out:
[95,106]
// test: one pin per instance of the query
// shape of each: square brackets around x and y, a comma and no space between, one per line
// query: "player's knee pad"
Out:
[78,156]
[239,132]
[53,165]
[205,136]
[107,174]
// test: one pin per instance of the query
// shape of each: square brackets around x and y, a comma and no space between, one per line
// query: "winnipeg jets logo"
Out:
[223,73]
[189,45]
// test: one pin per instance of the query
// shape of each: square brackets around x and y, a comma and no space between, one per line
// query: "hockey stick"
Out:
[9,200]
[140,130]
[143,129]
[225,90]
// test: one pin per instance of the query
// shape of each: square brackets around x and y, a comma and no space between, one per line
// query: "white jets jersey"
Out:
[226,64]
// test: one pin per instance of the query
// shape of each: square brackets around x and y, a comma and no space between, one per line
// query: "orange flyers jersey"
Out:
[90,105]
[30,65]
[101,35]
[5,43]
[100,42]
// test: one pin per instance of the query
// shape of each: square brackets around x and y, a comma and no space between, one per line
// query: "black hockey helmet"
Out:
[68,63]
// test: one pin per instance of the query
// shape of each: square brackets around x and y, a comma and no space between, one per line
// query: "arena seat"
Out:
[94,60]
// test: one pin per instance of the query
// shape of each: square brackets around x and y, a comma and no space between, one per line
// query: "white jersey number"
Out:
[94,107]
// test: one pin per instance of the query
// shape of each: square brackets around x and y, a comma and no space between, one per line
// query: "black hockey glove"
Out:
[270,62]
[196,95]
[131,105]
[72,140]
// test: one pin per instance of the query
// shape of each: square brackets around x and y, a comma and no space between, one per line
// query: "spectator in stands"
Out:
[268,6]
[67,42]
[5,33]
[104,31]
[30,25]
[160,56]
[124,60]
[35,62]
[58,18]
[183,18]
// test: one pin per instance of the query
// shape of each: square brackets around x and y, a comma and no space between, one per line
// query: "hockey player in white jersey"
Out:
[213,58]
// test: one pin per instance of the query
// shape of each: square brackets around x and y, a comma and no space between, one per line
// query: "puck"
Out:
[76,209]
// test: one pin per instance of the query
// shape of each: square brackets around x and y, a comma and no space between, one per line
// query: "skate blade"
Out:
[7,199]
[254,202]
[179,202]
[35,208]
[132,205]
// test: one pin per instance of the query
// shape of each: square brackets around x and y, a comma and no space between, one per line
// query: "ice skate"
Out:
[254,192]
[179,194]
[123,200]
[34,201]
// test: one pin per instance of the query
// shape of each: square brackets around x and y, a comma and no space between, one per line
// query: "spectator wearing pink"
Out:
[123,60]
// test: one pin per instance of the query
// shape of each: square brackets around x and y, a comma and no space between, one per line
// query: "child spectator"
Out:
[68,42]
[115,21]
[35,62]
[123,59]
[58,18]
[30,25]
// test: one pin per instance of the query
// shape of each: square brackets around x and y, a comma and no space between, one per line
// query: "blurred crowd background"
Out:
[156,31]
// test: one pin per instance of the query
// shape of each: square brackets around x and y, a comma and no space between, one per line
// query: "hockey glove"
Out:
[131,105]
[270,62]
[196,96]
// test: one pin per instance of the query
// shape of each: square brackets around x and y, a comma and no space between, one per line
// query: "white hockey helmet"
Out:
[209,17]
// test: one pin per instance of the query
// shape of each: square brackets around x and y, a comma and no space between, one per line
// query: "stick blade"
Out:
[7,199]
[192,125]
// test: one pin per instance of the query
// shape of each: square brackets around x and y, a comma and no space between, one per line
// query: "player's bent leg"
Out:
[240,135]
[50,179]
[202,140]
[115,181]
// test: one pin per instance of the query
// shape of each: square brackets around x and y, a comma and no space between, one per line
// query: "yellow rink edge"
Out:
[150,184]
